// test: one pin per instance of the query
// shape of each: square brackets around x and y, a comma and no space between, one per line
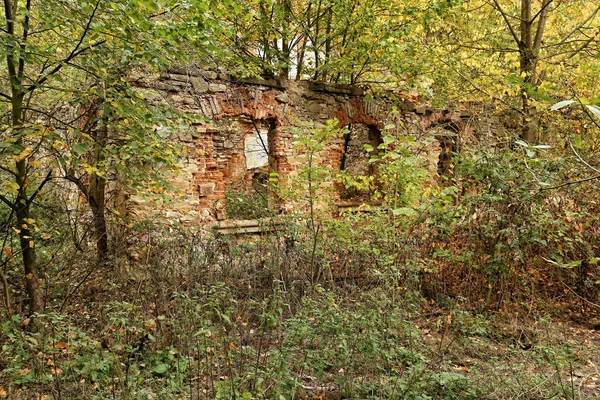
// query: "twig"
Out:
[568,183]
[580,158]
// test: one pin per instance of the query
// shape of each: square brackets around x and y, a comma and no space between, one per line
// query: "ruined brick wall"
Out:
[248,135]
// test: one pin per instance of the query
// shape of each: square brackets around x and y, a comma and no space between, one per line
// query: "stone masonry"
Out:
[247,133]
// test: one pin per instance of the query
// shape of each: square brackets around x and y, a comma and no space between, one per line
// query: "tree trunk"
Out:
[22,204]
[22,212]
[97,193]
[527,70]
[529,49]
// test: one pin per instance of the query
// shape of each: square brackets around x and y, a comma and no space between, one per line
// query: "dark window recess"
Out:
[359,172]
[448,148]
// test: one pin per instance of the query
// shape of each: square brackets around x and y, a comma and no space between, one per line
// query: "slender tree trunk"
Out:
[327,41]
[22,212]
[529,50]
[316,41]
[97,193]
[285,43]
[15,65]
[527,70]
[300,65]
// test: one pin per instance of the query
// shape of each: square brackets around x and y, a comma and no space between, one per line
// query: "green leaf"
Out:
[247,395]
[160,368]
[80,148]
[405,211]
[393,155]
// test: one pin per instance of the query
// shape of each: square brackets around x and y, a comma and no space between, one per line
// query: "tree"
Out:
[341,41]
[67,54]
[515,51]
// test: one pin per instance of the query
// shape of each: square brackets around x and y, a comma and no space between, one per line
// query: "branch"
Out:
[71,178]
[71,56]
[568,183]
[23,45]
[580,158]
[6,292]
[466,78]
[578,27]
[10,27]
[543,9]
[9,98]
[587,112]
[39,188]
[580,48]
[8,170]
[537,43]
[505,17]
[7,202]
[74,53]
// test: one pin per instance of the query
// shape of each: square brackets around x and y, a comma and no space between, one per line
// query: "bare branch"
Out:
[505,17]
[8,170]
[578,27]
[568,183]
[7,202]
[539,34]
[39,188]
[542,10]
[580,48]
[23,45]
[580,158]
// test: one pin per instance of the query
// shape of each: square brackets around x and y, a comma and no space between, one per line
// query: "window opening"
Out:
[359,174]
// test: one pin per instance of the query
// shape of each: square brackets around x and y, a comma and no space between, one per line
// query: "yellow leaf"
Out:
[24,154]
[30,221]
[46,236]
[31,244]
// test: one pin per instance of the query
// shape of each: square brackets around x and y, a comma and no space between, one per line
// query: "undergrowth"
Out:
[466,289]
